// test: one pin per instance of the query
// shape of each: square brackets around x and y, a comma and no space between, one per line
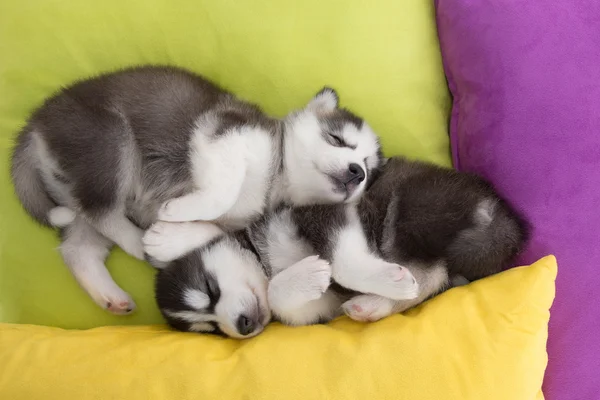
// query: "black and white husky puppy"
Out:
[418,229]
[107,157]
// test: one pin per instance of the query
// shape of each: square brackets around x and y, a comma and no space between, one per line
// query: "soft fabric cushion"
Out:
[526,83]
[486,340]
[383,58]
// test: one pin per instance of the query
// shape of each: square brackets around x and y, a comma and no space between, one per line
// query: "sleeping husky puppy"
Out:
[107,157]
[417,222]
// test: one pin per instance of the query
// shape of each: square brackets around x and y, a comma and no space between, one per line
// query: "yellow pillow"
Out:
[484,341]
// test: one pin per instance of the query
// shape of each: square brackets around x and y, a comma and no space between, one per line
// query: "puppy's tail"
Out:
[29,187]
[498,234]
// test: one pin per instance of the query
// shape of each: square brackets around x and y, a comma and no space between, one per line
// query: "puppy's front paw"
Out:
[314,276]
[302,282]
[164,241]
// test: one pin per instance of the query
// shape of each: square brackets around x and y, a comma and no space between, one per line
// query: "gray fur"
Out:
[125,137]
[116,149]
[30,188]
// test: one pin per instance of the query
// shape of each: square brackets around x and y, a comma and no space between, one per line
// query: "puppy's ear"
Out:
[326,100]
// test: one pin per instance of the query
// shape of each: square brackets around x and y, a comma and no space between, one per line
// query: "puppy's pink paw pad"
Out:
[122,308]
[357,308]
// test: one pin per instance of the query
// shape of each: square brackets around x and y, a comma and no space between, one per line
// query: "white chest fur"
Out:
[257,151]
[235,170]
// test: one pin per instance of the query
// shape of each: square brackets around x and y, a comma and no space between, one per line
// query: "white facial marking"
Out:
[196,299]
[242,284]
[190,316]
[311,160]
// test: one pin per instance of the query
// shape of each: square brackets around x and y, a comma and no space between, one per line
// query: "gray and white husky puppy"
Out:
[417,230]
[108,156]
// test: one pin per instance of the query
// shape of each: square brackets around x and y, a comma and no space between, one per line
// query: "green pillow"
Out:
[383,58]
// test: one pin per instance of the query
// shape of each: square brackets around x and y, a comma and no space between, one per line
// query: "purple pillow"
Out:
[525,76]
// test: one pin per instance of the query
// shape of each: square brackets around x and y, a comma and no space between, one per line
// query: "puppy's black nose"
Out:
[245,325]
[356,173]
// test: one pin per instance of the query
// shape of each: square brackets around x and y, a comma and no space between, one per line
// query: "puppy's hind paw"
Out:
[395,282]
[115,301]
[122,308]
[368,308]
